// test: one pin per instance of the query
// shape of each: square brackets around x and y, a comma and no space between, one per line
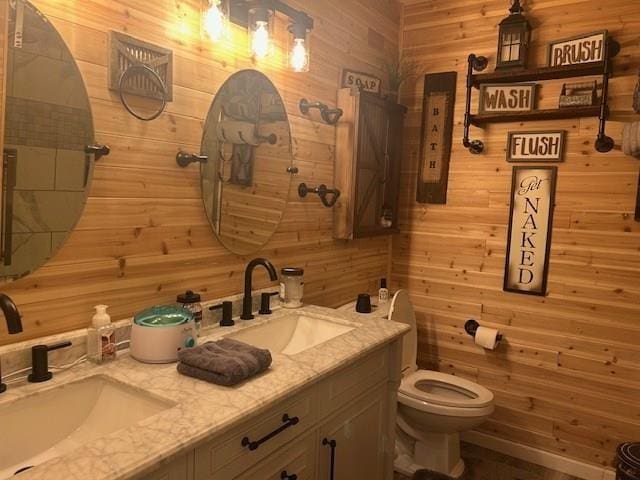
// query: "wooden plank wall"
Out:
[567,379]
[144,237]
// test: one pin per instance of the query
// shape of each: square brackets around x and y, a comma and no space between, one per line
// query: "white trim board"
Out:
[543,458]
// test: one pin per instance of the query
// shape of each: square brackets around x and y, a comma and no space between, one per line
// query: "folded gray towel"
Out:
[225,362]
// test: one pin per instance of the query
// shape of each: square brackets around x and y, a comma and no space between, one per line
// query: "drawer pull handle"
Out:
[332,444]
[285,476]
[286,423]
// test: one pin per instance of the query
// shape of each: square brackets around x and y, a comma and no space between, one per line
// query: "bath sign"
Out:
[536,146]
[530,224]
[519,97]
[436,137]
[583,49]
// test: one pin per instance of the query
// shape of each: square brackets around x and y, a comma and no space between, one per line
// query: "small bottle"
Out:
[101,346]
[191,301]
[383,293]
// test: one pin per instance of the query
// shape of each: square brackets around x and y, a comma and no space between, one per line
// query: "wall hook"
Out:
[184,159]
[322,191]
[329,115]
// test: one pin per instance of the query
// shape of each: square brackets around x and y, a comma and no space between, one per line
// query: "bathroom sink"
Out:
[291,334]
[54,422]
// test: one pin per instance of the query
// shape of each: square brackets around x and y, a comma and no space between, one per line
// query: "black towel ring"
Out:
[146,69]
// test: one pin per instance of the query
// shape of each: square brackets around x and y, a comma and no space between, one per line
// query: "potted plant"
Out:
[398,72]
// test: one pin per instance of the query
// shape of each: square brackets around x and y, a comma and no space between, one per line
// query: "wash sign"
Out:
[507,98]
[530,224]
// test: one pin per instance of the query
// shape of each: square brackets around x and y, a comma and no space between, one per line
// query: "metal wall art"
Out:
[530,224]
[142,69]
[497,98]
[543,146]
[436,138]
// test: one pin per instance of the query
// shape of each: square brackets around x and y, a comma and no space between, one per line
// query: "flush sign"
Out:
[530,223]
[536,146]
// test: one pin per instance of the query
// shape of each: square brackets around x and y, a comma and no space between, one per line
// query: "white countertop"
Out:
[202,410]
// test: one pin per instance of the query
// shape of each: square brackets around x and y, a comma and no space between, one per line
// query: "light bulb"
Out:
[299,59]
[260,40]
[215,22]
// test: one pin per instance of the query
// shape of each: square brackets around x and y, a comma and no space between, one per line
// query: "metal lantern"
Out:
[513,41]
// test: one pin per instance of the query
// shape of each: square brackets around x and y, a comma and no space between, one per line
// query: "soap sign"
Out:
[363,81]
[530,224]
[536,146]
[498,98]
[583,49]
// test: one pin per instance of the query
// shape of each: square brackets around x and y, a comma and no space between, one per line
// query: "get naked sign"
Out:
[530,223]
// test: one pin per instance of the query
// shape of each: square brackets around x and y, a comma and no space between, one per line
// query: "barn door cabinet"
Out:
[345,430]
[367,171]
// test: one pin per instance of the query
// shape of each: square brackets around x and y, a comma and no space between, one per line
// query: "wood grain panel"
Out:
[567,378]
[143,237]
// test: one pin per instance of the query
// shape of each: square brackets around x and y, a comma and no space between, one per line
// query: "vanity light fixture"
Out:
[260,30]
[215,19]
[299,47]
[260,16]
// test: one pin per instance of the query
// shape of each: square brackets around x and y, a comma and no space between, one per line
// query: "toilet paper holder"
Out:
[471,326]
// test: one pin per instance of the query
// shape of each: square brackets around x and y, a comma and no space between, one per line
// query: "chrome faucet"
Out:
[247,301]
[14,323]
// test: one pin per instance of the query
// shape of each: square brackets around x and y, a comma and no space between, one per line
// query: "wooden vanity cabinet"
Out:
[354,407]
[367,165]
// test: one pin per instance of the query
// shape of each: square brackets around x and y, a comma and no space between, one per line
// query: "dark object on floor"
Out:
[225,362]
[429,475]
[628,461]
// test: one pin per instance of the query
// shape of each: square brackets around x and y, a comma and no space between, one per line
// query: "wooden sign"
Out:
[363,81]
[530,224]
[437,134]
[498,98]
[587,48]
[536,146]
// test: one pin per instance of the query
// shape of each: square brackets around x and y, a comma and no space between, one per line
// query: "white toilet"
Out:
[433,407]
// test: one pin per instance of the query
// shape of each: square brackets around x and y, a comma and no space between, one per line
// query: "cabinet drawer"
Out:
[230,455]
[298,459]
[347,384]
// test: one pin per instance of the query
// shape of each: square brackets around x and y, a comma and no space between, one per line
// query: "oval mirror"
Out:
[48,125]
[245,183]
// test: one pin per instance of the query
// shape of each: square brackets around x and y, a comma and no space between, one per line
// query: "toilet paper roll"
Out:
[487,337]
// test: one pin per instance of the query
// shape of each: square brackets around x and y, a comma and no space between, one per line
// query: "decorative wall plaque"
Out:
[364,81]
[587,48]
[129,52]
[530,224]
[518,97]
[437,133]
[536,146]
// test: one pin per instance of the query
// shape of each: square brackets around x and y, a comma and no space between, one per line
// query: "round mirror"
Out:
[245,182]
[48,125]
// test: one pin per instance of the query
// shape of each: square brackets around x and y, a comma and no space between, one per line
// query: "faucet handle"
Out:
[40,361]
[227,313]
[265,302]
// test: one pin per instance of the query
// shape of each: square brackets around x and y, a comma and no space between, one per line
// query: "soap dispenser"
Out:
[101,346]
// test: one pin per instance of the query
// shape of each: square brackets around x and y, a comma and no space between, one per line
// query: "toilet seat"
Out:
[424,388]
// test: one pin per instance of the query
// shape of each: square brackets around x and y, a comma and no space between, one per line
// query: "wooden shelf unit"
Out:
[551,114]
[603,142]
[539,74]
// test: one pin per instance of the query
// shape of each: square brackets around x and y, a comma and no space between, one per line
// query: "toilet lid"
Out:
[446,390]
